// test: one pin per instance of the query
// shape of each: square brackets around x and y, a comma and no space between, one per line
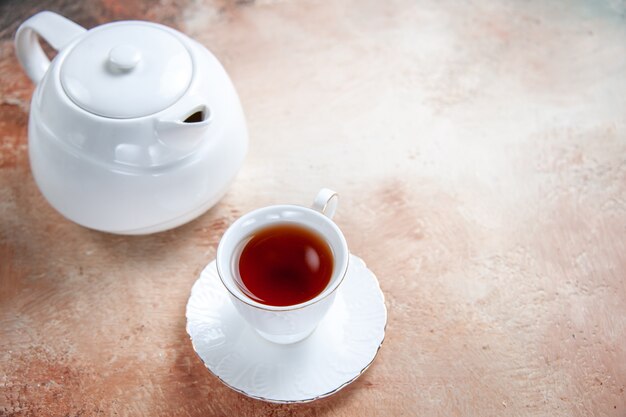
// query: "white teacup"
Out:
[284,324]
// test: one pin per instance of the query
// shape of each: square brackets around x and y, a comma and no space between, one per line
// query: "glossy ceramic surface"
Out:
[109,144]
[145,61]
[285,324]
[335,354]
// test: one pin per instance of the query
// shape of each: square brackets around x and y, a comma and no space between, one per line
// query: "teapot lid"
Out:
[126,70]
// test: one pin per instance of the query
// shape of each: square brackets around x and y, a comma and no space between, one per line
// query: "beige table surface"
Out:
[480,152]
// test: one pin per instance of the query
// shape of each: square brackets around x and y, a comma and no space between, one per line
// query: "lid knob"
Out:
[124,57]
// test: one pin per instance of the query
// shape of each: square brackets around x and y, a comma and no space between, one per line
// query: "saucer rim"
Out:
[306,400]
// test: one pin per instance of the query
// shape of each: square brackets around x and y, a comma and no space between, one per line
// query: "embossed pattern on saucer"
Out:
[339,351]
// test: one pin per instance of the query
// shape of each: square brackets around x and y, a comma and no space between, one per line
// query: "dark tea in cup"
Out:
[284,264]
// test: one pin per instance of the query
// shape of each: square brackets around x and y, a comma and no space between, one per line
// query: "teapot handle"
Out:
[55,29]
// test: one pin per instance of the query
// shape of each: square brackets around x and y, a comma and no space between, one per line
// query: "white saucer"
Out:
[339,350]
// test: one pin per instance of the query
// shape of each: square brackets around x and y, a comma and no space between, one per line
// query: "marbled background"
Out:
[480,152]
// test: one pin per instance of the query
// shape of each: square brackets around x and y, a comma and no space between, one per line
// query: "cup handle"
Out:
[326,202]
[55,29]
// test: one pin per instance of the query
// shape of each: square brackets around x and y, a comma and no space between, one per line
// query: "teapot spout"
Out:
[187,133]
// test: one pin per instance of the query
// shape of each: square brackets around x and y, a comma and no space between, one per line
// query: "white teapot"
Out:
[134,128]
